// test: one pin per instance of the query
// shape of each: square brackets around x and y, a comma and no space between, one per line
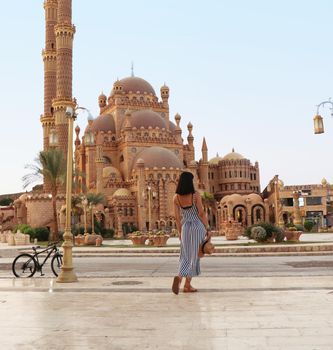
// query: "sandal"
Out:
[189,289]
[175,285]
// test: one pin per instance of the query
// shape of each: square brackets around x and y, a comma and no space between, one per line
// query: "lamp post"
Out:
[149,208]
[85,203]
[318,120]
[67,273]
[92,219]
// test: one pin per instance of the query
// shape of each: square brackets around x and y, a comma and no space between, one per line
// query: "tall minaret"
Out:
[50,68]
[204,165]
[64,33]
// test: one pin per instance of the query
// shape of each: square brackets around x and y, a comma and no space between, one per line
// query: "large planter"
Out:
[90,239]
[159,240]
[293,236]
[138,240]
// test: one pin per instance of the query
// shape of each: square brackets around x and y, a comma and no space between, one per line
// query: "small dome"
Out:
[255,198]
[103,123]
[159,157]
[147,118]
[135,84]
[102,96]
[111,172]
[215,160]
[233,156]
[122,192]
[324,182]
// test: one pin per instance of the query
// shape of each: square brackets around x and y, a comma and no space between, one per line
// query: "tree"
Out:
[95,198]
[6,201]
[50,166]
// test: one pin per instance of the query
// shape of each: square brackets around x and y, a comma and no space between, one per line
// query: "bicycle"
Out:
[26,265]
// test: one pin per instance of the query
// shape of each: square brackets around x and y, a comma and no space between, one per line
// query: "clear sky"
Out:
[247,74]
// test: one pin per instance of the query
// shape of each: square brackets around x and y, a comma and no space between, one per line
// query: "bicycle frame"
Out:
[50,251]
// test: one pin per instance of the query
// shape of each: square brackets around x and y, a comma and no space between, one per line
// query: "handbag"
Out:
[206,247]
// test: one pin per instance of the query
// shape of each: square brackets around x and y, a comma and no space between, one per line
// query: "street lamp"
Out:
[91,207]
[67,273]
[85,203]
[151,196]
[318,120]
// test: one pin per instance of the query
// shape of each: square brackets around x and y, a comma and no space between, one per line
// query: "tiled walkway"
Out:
[141,313]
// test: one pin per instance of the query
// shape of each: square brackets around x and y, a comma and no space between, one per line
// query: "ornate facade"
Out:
[133,152]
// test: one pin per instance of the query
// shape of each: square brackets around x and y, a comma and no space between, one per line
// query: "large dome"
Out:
[103,123]
[136,84]
[159,157]
[215,160]
[233,156]
[147,118]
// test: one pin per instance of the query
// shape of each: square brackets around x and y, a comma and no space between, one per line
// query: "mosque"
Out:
[134,151]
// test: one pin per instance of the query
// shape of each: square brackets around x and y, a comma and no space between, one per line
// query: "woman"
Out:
[192,225]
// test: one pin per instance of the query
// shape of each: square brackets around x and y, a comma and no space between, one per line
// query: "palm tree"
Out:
[208,202]
[50,166]
[95,198]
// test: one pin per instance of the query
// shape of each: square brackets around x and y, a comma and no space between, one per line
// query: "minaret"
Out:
[204,165]
[50,68]
[64,33]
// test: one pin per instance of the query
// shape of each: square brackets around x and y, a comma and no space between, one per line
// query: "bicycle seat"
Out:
[35,248]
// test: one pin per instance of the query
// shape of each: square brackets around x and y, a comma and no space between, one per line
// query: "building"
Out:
[133,152]
[299,203]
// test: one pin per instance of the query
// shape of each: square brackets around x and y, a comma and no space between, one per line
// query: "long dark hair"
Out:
[185,183]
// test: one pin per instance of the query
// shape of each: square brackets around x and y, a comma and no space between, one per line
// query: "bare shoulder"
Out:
[175,198]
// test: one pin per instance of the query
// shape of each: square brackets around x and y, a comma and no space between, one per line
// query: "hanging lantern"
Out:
[318,124]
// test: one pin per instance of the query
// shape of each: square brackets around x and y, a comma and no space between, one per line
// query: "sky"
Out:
[247,74]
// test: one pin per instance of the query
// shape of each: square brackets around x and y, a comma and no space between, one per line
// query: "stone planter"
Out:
[79,240]
[293,236]
[3,238]
[138,240]
[231,234]
[90,239]
[160,240]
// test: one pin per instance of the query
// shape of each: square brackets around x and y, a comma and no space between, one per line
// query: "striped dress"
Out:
[193,234]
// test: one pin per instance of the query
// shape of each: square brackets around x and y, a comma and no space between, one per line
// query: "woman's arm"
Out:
[177,215]
[201,211]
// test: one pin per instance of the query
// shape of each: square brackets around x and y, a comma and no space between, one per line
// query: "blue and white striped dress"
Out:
[193,234]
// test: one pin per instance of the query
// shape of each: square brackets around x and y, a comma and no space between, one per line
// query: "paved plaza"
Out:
[266,303]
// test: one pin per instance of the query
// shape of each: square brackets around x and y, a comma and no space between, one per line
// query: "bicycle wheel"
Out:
[24,265]
[56,264]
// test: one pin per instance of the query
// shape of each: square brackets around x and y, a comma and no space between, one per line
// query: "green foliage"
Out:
[6,201]
[258,233]
[95,198]
[279,236]
[269,228]
[50,165]
[22,227]
[291,228]
[308,225]
[42,233]
[107,233]
[299,227]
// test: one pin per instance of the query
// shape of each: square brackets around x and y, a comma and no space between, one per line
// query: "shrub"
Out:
[22,227]
[247,232]
[258,233]
[269,228]
[299,227]
[308,225]
[291,228]
[41,233]
[6,201]
[107,233]
[279,237]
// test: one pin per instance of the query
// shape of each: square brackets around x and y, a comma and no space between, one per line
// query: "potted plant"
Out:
[159,239]
[293,233]
[138,238]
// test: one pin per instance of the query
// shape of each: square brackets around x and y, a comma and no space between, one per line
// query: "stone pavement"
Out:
[313,244]
[267,313]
